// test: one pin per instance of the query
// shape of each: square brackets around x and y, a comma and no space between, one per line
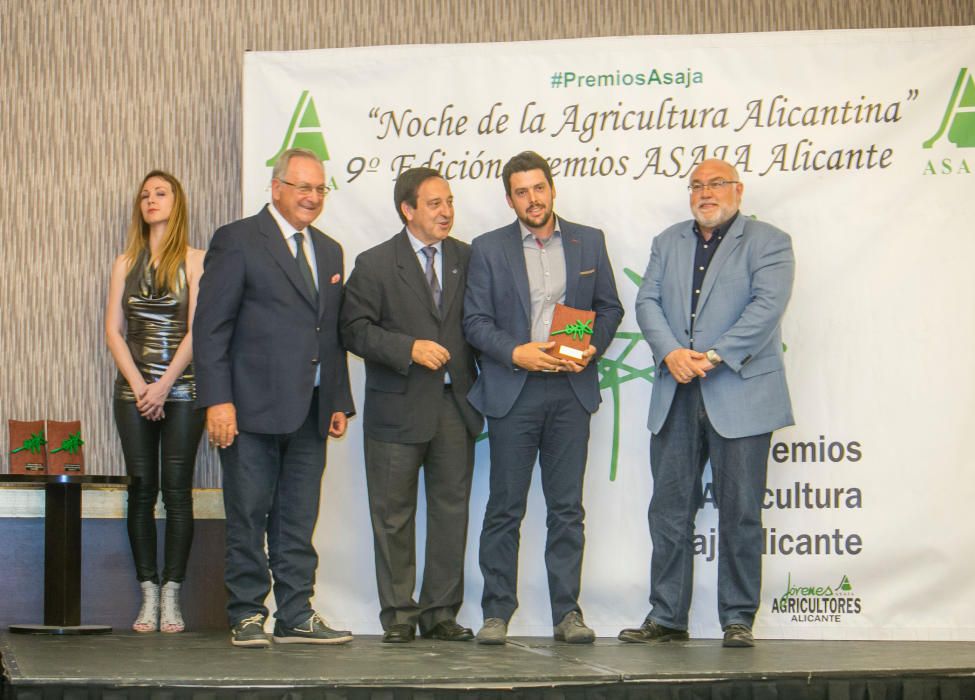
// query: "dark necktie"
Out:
[303,267]
[431,274]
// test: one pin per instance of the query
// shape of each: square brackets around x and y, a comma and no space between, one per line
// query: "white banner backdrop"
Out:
[860,144]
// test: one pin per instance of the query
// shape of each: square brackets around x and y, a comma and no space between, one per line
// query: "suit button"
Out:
[315,361]
[317,329]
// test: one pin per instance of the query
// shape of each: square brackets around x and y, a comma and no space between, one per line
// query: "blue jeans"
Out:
[271,487]
[548,424]
[678,454]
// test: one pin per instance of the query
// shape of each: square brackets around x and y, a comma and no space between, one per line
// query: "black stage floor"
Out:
[205,666]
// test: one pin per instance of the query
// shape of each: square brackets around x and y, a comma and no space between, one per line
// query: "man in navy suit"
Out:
[711,307]
[537,406]
[272,374]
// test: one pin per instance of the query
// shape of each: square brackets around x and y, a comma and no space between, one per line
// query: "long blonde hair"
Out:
[174,243]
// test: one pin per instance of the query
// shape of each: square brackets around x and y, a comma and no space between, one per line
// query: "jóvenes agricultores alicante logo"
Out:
[817,604]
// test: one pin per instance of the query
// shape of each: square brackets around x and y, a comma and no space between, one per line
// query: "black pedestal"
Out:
[62,550]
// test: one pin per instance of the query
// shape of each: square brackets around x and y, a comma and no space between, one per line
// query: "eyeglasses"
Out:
[699,187]
[305,189]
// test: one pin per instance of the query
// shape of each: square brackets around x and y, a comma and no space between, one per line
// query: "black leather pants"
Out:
[165,447]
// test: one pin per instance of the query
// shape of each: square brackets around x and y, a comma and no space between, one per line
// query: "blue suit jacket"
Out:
[497,310]
[259,336]
[739,314]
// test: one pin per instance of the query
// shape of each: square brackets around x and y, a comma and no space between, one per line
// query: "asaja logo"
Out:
[822,604]
[959,118]
[304,131]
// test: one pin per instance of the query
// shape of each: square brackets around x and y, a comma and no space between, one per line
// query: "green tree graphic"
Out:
[576,330]
[33,444]
[616,371]
[70,444]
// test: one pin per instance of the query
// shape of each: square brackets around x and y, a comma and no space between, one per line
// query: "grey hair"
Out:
[281,164]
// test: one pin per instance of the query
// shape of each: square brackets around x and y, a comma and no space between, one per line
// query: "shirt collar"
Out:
[419,245]
[526,232]
[287,230]
[718,232]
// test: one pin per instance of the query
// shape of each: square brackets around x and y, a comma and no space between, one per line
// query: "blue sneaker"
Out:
[249,632]
[314,631]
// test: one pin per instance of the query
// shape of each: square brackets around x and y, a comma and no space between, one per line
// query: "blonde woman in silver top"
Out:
[148,322]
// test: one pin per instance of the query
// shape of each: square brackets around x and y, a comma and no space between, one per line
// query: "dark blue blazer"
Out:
[497,310]
[259,336]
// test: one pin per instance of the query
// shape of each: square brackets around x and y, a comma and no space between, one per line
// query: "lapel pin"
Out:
[336,277]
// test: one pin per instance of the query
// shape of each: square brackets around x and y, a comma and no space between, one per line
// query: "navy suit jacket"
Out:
[739,315]
[497,310]
[258,334]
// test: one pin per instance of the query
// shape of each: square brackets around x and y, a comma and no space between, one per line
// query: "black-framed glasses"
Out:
[305,189]
[698,187]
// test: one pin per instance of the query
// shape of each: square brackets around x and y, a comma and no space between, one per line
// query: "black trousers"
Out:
[162,453]
[392,478]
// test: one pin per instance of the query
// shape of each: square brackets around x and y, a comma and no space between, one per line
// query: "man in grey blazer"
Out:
[537,406]
[272,374]
[711,307]
[402,315]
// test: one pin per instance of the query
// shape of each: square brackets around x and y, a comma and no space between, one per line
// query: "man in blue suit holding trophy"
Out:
[711,307]
[538,406]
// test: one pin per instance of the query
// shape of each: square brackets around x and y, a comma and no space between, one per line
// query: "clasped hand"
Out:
[685,364]
[151,400]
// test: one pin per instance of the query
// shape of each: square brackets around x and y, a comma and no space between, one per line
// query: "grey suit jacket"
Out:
[497,310]
[739,314]
[259,336]
[387,306]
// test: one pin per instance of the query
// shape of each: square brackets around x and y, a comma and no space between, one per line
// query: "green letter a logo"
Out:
[304,131]
[961,106]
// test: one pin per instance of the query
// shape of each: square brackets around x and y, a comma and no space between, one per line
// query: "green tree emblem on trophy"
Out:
[576,330]
[34,444]
[70,444]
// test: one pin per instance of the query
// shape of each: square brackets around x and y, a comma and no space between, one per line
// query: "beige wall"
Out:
[96,93]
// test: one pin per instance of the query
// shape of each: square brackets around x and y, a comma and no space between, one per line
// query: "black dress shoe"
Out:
[738,636]
[449,631]
[399,634]
[652,633]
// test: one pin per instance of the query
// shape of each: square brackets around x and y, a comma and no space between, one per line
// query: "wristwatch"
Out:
[713,357]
